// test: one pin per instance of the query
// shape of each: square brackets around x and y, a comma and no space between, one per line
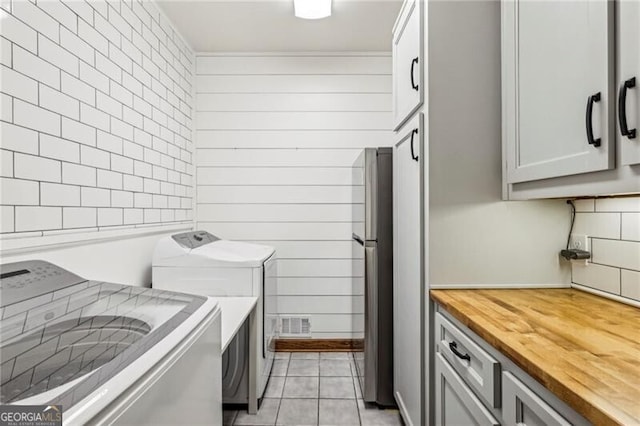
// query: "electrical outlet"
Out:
[580,242]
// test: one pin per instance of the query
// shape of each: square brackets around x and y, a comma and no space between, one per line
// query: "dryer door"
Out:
[270,291]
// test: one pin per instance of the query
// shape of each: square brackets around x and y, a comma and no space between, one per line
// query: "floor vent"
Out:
[295,327]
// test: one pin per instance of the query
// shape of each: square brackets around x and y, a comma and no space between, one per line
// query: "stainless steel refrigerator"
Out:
[373,242]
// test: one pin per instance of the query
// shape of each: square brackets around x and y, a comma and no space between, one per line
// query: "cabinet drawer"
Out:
[478,369]
[456,404]
[521,406]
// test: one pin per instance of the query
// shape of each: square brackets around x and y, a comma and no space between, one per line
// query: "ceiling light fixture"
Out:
[312,9]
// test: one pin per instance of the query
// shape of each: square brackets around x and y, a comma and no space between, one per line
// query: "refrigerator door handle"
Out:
[357,239]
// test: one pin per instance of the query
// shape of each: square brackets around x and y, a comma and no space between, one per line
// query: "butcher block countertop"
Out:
[583,348]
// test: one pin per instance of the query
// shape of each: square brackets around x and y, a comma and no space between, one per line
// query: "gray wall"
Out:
[475,238]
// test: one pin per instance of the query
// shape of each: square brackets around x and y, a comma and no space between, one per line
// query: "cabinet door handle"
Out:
[414,62]
[454,348]
[592,99]
[413,155]
[622,108]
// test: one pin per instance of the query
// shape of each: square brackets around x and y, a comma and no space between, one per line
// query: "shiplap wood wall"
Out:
[276,139]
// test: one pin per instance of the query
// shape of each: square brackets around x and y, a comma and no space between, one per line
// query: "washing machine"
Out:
[103,353]
[198,262]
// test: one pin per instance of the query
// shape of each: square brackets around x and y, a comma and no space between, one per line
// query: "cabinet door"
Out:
[521,406]
[408,277]
[628,55]
[455,403]
[408,92]
[558,100]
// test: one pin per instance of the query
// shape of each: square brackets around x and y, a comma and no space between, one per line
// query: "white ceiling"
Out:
[270,26]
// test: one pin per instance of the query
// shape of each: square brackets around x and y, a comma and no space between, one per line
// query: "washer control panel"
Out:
[24,280]
[194,239]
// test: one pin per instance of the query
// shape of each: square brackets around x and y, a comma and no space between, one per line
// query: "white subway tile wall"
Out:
[96,116]
[613,228]
[277,136]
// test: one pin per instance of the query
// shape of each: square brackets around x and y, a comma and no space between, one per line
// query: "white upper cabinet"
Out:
[628,36]
[408,87]
[558,102]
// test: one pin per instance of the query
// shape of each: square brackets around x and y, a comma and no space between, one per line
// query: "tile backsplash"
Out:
[96,110]
[613,228]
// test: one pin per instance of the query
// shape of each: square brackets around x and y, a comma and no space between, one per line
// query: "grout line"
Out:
[259,185]
[613,267]
[318,403]
[292,93]
[224,111]
[295,166]
[355,382]
[611,239]
[267,74]
[302,129]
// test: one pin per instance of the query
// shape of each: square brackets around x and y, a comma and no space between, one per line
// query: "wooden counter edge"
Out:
[573,399]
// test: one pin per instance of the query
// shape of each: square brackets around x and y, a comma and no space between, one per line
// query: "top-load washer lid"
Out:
[234,253]
[58,346]
[210,252]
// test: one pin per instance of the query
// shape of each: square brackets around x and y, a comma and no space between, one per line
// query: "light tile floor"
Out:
[318,389]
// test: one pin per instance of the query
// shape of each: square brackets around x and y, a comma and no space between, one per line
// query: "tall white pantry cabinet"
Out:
[447,164]
[409,157]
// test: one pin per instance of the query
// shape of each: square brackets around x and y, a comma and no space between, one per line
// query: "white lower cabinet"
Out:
[521,406]
[479,369]
[456,404]
[477,385]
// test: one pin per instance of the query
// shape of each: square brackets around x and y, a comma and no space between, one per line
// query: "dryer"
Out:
[198,262]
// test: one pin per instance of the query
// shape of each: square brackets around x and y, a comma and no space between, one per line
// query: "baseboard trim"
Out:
[319,345]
